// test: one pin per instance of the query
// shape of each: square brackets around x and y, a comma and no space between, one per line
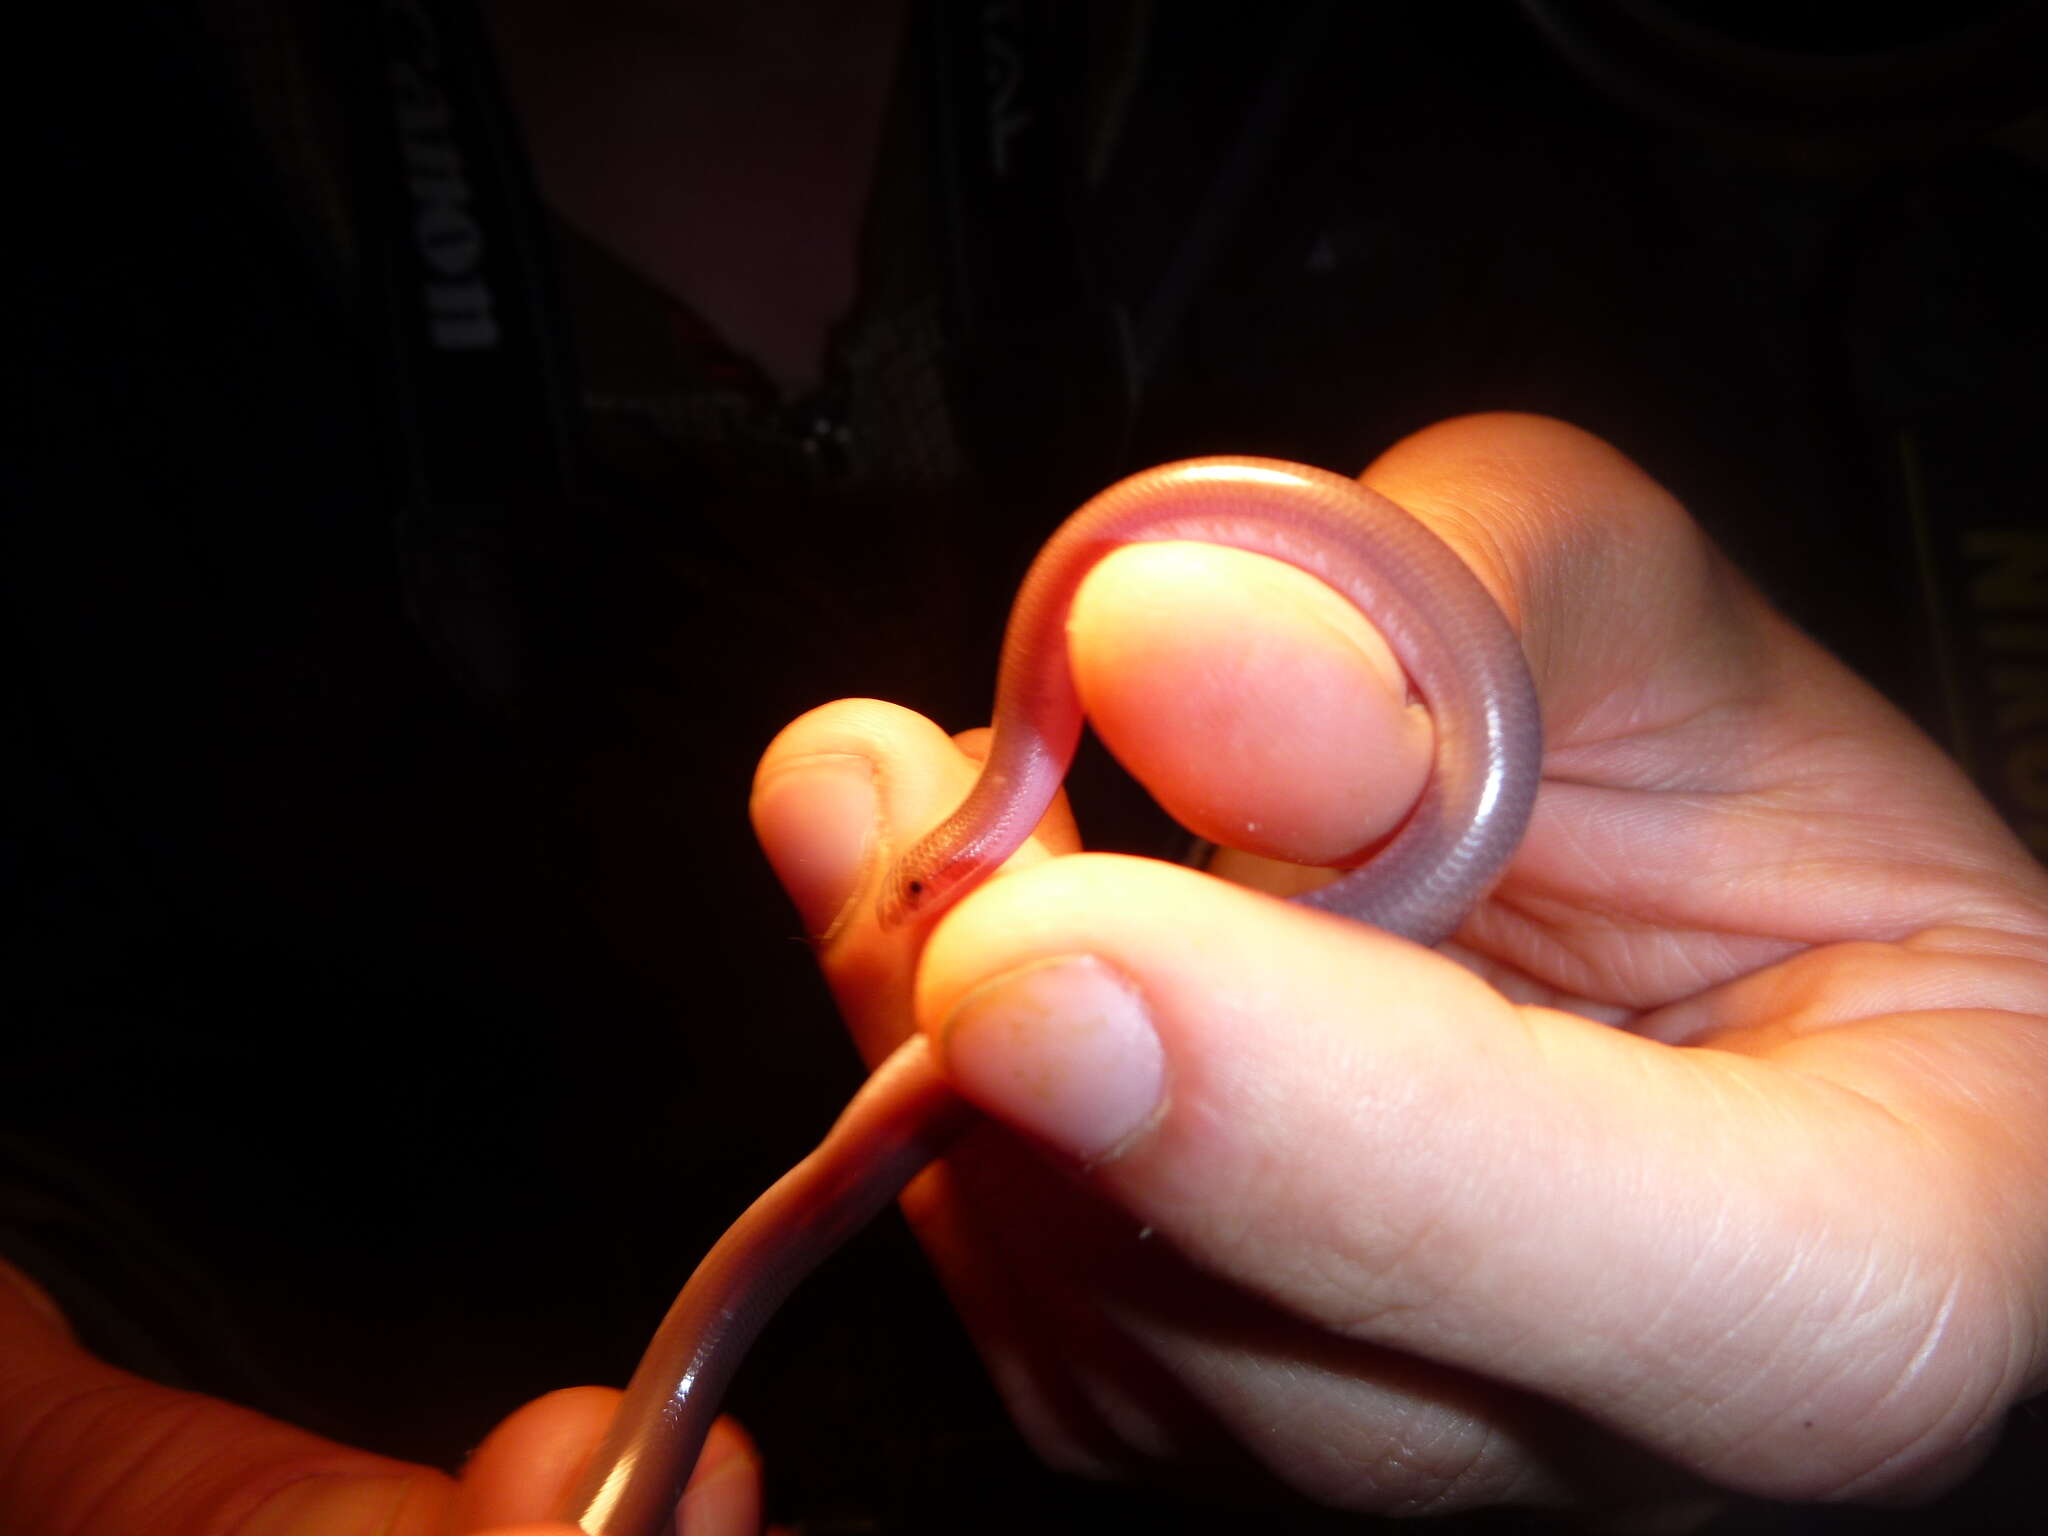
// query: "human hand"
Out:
[88,1450]
[1708,1157]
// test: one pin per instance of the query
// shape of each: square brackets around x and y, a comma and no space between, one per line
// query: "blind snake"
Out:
[1462,660]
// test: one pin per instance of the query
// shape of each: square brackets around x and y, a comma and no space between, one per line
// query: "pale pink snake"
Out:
[1464,663]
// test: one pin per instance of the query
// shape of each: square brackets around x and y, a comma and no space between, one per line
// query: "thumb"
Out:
[90,1450]
[1364,1133]
[86,1449]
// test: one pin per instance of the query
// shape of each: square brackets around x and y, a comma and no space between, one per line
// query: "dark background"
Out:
[384,935]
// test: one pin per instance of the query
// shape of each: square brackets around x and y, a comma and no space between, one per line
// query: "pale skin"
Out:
[1726,1171]
[1711,1157]
[88,1450]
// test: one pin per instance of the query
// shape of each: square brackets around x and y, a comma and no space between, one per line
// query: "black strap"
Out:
[457,275]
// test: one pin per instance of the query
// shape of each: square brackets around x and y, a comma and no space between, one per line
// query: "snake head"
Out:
[918,891]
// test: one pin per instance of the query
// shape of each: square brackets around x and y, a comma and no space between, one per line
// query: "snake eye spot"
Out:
[916,889]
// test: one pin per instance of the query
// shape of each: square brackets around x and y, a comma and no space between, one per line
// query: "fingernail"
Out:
[1063,1049]
[330,1506]
[816,820]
